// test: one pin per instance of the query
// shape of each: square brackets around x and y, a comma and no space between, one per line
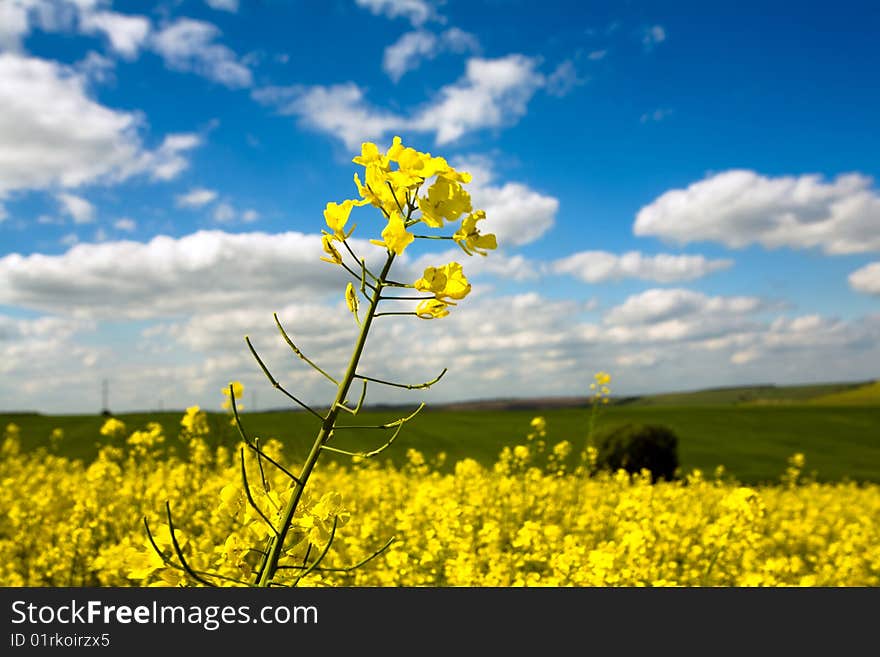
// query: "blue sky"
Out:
[684,193]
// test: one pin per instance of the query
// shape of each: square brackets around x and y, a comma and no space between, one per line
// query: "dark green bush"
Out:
[636,447]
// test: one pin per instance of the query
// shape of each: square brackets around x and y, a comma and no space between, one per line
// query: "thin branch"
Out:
[277,385]
[317,562]
[356,276]
[418,386]
[360,260]
[260,464]
[275,463]
[405,298]
[371,453]
[347,569]
[391,187]
[189,571]
[298,352]
[171,564]
[386,314]
[237,418]
[250,498]
[434,237]
[356,409]
[384,425]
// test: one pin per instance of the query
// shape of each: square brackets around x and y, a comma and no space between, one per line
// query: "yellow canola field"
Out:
[65,523]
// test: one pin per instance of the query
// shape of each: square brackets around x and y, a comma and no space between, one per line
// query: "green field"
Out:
[750,434]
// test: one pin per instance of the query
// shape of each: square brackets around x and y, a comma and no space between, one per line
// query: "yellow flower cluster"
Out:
[392,183]
[519,523]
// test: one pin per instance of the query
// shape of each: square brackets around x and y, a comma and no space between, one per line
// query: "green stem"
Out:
[276,546]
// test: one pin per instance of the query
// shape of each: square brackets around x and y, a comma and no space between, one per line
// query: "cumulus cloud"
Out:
[77,207]
[417,12]
[127,34]
[515,212]
[14,25]
[190,45]
[40,359]
[54,135]
[493,93]
[600,266]
[339,110]
[866,279]
[166,162]
[741,207]
[195,198]
[223,5]
[500,264]
[168,276]
[412,48]
[495,346]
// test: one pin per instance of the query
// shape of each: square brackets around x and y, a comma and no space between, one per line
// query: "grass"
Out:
[751,441]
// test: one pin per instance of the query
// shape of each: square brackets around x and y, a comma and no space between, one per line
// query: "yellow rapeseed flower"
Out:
[327,242]
[351,299]
[432,309]
[447,281]
[395,237]
[336,216]
[469,238]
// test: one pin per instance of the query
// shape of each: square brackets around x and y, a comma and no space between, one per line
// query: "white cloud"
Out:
[339,110]
[563,79]
[250,216]
[866,279]
[407,53]
[189,45]
[167,161]
[69,240]
[125,224]
[44,363]
[167,276]
[77,207]
[223,5]
[600,266]
[492,94]
[224,213]
[96,67]
[652,36]
[54,135]
[127,34]
[596,55]
[741,207]
[195,198]
[498,263]
[515,212]
[416,12]
[14,24]
[659,305]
